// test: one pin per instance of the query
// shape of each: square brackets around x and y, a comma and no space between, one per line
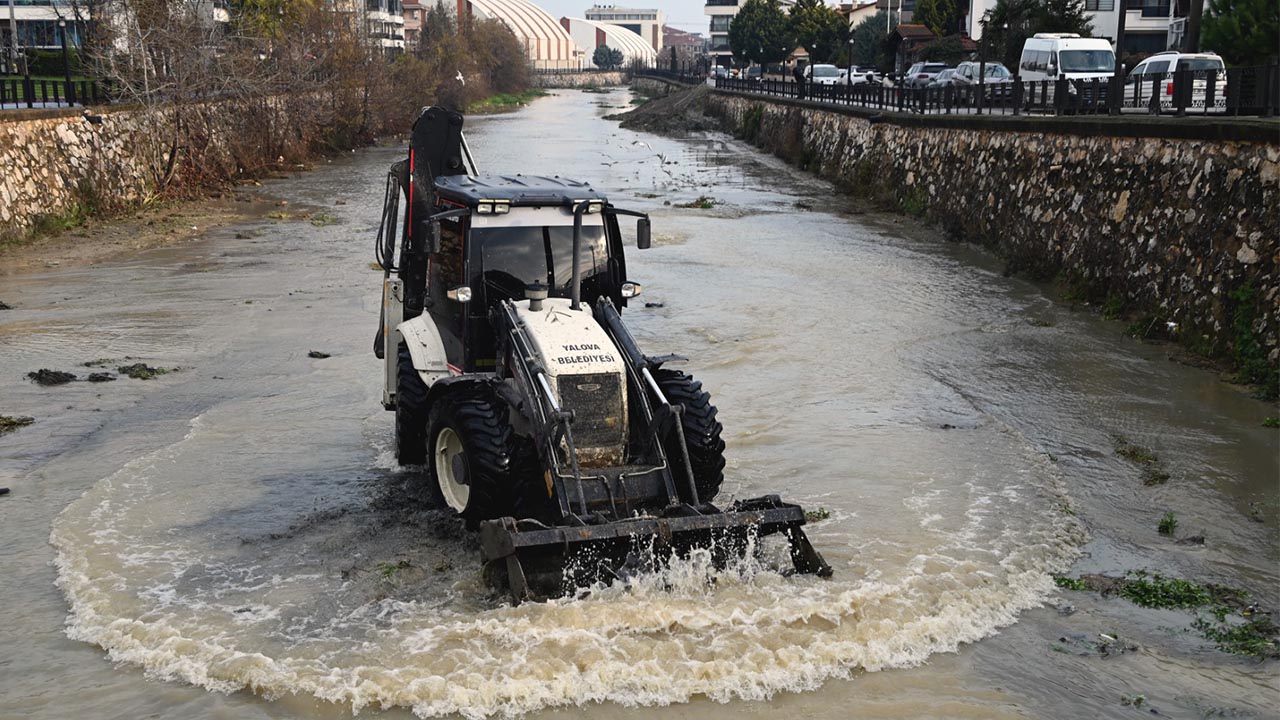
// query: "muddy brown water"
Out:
[234,539]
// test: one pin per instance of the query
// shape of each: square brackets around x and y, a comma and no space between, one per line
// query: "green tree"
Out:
[940,16]
[1243,32]
[760,33]
[868,40]
[819,28]
[607,58]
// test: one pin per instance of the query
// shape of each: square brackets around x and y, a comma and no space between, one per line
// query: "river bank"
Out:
[240,526]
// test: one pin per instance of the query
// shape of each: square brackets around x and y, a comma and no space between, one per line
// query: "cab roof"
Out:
[518,189]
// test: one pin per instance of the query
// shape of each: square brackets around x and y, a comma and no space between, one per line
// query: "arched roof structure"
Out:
[547,44]
[590,35]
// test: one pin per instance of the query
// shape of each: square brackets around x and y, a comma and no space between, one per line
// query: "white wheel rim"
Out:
[449,448]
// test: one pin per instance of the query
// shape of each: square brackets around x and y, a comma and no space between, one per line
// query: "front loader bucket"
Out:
[535,561]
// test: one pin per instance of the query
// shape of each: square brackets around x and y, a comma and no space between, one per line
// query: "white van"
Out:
[1050,56]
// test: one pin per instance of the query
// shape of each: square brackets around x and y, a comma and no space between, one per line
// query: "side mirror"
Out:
[643,240]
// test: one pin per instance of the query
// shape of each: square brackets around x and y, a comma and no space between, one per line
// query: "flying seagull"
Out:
[461,79]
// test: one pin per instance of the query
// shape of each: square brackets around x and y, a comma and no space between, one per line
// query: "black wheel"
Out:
[701,434]
[471,459]
[532,496]
[411,411]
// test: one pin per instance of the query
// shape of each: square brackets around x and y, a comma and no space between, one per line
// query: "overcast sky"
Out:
[684,14]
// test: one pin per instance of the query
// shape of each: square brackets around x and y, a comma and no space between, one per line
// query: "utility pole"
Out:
[1191,41]
[13,35]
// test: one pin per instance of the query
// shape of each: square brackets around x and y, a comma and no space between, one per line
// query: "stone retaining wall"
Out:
[1180,231]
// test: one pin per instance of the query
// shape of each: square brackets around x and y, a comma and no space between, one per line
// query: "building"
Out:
[547,44]
[857,12]
[37,25]
[415,16]
[645,23]
[901,11]
[590,35]
[1149,25]
[721,13]
[384,24]
[688,46]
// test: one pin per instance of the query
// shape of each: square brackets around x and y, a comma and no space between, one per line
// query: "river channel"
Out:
[233,539]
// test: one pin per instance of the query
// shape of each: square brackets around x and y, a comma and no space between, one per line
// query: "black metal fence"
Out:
[25,92]
[1236,91]
[686,78]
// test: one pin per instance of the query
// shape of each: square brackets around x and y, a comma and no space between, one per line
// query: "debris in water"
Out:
[101,377]
[5,306]
[4,491]
[47,377]
[142,371]
[317,355]
[654,305]
[1192,540]
[9,423]
[802,205]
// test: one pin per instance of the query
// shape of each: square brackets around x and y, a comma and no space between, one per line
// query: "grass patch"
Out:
[1154,476]
[1248,354]
[1168,523]
[1113,308]
[1067,583]
[9,423]
[702,203]
[1271,422]
[143,371]
[1134,453]
[501,101]
[913,203]
[388,571]
[816,515]
[1157,591]
[1255,637]
[323,219]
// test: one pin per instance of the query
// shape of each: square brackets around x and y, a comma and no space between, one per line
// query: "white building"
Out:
[722,13]
[590,35]
[1149,26]
[384,24]
[647,23]
[546,43]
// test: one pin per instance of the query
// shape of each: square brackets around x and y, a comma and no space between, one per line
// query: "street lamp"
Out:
[68,90]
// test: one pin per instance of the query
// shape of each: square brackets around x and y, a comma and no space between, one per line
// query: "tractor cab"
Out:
[497,237]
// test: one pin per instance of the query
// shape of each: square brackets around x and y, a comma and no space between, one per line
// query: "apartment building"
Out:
[647,23]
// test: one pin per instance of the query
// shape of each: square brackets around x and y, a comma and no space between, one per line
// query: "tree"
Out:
[868,39]
[607,58]
[760,33]
[940,16]
[819,28]
[1006,27]
[1243,32]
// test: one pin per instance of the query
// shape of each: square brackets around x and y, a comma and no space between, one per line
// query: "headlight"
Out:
[630,289]
[460,294]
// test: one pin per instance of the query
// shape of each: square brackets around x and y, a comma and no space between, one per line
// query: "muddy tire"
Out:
[411,411]
[701,434]
[471,454]
[531,498]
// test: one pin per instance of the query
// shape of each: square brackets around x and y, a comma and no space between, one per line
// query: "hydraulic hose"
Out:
[384,247]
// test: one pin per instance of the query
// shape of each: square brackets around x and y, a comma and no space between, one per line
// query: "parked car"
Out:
[753,73]
[1156,73]
[998,84]
[920,74]
[720,71]
[942,79]
[862,76]
[822,74]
